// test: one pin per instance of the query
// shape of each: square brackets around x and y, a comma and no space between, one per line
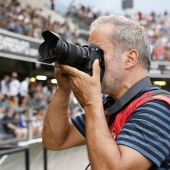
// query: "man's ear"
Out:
[132,58]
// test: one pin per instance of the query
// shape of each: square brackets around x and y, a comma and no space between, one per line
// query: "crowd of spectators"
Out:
[16,97]
[16,100]
[33,21]
[157,27]
[84,13]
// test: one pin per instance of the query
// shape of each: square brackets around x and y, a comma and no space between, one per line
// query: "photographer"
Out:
[138,134]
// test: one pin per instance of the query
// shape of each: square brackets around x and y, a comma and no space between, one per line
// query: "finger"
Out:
[96,69]
[70,70]
[57,64]
[57,70]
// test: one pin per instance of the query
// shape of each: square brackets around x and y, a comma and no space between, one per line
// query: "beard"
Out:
[113,79]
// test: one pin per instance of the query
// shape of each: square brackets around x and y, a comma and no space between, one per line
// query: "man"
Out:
[14,85]
[143,141]
[13,127]
[5,85]
[24,86]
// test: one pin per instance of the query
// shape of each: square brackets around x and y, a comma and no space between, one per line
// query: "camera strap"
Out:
[102,66]
[128,96]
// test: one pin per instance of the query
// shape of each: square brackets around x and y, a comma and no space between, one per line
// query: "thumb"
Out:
[96,69]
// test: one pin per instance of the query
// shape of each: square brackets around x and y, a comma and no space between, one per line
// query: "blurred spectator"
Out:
[36,100]
[48,93]
[5,85]
[14,85]
[38,122]
[67,34]
[160,54]
[12,127]
[40,94]
[74,107]
[23,122]
[14,102]
[23,103]
[52,4]
[83,13]
[69,18]
[24,87]
[3,105]
[139,16]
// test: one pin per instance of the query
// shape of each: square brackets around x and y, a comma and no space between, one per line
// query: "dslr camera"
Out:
[55,49]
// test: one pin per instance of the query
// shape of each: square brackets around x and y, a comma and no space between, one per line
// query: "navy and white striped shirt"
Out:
[147,131]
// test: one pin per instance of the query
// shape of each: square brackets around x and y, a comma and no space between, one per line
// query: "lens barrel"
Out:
[67,53]
[55,49]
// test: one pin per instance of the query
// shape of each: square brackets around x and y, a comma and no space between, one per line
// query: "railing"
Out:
[45,156]
[39,152]
[11,150]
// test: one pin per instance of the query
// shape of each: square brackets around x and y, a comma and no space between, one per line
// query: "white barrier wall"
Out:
[70,159]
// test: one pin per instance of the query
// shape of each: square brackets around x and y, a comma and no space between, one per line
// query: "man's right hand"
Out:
[58,131]
[62,78]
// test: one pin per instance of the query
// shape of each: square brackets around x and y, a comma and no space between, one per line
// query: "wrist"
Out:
[62,95]
[95,106]
[63,90]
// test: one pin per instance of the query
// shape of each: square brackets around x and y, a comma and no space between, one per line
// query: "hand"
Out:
[62,78]
[87,89]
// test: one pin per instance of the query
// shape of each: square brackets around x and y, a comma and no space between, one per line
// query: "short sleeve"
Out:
[79,122]
[148,131]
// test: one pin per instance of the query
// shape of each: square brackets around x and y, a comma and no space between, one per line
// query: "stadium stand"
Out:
[31,18]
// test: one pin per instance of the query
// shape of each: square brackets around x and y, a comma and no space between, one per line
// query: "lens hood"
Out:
[50,38]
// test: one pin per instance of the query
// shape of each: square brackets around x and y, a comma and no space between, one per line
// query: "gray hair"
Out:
[127,34]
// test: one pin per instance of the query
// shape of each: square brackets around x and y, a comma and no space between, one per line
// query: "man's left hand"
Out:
[87,89]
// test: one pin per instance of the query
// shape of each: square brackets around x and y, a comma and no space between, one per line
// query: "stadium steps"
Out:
[43,4]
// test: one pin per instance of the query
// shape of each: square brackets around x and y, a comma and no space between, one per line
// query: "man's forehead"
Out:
[101,34]
[105,27]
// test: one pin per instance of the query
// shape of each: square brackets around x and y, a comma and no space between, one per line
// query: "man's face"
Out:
[114,72]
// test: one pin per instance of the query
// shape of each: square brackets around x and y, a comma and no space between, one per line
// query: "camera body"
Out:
[55,49]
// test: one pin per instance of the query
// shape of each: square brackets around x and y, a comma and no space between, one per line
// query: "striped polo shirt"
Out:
[147,130]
